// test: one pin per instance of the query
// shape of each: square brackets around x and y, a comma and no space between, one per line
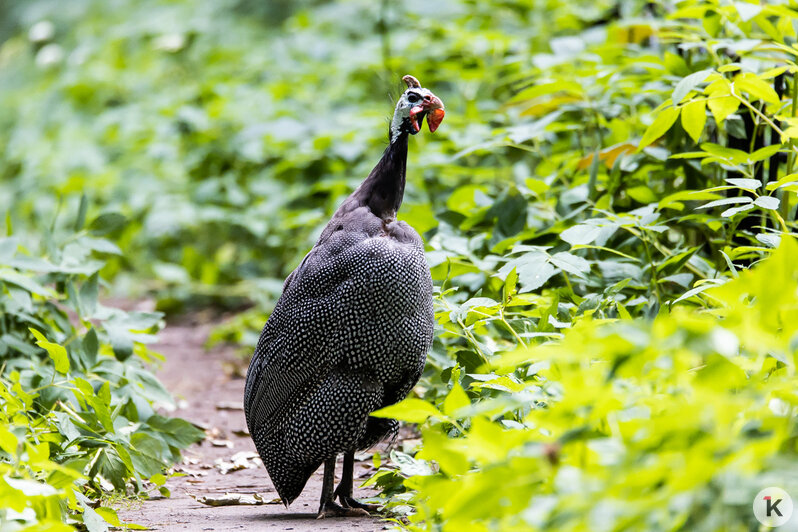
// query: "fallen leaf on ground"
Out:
[232,499]
[239,461]
[191,472]
[222,443]
[229,405]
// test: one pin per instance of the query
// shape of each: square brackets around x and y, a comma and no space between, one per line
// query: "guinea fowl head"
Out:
[415,104]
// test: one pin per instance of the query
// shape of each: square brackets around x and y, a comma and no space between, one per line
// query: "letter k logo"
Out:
[772,506]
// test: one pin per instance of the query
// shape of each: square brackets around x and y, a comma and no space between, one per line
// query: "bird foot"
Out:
[349,502]
[330,509]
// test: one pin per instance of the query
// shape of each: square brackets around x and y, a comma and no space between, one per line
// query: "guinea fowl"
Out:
[350,333]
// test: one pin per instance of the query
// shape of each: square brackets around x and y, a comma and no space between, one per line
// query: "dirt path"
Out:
[198,380]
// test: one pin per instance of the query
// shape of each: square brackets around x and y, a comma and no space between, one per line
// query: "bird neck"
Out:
[384,188]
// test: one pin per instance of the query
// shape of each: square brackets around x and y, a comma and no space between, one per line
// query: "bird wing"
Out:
[293,352]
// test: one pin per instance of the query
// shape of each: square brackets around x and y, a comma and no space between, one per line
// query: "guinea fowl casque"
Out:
[350,333]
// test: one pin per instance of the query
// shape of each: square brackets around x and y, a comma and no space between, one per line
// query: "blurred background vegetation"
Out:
[603,161]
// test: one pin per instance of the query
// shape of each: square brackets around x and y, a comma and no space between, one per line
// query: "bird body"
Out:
[349,335]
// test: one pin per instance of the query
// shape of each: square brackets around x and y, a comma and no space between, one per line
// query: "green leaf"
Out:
[110,516]
[107,223]
[93,521]
[745,183]
[688,84]
[570,263]
[455,399]
[91,346]
[8,441]
[411,410]
[747,11]
[722,106]
[726,201]
[786,180]
[108,464]
[764,153]
[27,283]
[730,155]
[756,87]
[662,123]
[581,234]
[80,220]
[57,352]
[767,202]
[509,289]
[728,213]
[89,293]
[694,116]
[176,432]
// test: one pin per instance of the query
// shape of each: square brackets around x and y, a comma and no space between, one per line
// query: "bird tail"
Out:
[287,476]
[290,488]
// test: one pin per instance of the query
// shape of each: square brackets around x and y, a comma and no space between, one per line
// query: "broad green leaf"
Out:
[767,202]
[176,432]
[80,220]
[688,84]
[757,88]
[694,116]
[22,281]
[110,516]
[57,352]
[729,154]
[581,234]
[786,180]
[411,410]
[726,201]
[571,263]
[722,106]
[661,124]
[88,294]
[747,11]
[789,134]
[769,240]
[455,399]
[91,346]
[745,183]
[8,441]
[509,289]
[764,153]
[107,223]
[674,201]
[728,213]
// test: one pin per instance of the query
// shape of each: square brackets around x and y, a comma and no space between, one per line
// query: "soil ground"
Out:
[209,396]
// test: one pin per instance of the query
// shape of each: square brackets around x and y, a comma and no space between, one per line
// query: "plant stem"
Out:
[785,197]
[654,279]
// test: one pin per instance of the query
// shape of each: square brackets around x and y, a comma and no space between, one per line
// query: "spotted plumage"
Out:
[349,334]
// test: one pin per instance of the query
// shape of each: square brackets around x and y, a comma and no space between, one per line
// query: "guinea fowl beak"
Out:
[432,108]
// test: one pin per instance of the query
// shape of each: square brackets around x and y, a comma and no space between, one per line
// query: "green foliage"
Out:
[596,367]
[607,174]
[674,423]
[77,400]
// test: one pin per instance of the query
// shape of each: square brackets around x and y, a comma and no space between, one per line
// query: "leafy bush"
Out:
[77,400]
[546,412]
[607,174]
[674,423]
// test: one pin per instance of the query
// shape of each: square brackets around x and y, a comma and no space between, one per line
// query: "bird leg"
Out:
[344,489]
[328,507]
